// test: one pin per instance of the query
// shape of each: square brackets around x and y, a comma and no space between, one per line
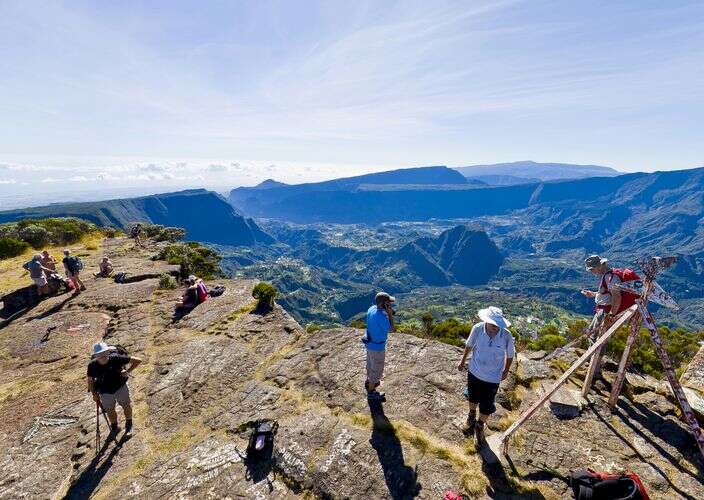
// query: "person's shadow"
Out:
[86,484]
[401,480]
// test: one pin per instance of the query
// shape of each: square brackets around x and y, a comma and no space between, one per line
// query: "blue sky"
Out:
[221,93]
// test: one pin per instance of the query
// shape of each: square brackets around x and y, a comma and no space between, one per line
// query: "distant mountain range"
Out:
[205,215]
[523,172]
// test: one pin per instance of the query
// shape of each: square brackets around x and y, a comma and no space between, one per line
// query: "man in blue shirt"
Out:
[380,321]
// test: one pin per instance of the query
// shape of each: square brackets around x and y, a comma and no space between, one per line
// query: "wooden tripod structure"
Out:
[638,315]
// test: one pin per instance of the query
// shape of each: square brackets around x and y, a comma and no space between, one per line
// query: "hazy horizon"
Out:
[180,94]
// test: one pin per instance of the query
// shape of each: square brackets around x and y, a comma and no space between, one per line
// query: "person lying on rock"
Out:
[380,321]
[107,380]
[493,350]
[38,273]
[105,268]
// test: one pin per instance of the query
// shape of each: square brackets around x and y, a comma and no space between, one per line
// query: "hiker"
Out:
[380,321]
[609,300]
[105,268]
[190,298]
[493,350]
[107,376]
[49,263]
[38,273]
[73,266]
[136,233]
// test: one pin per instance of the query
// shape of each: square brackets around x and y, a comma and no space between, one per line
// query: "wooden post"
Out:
[623,317]
[623,365]
[689,416]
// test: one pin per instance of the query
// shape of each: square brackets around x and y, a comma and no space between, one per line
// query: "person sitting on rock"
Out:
[493,350]
[38,273]
[380,321]
[189,299]
[105,268]
[107,376]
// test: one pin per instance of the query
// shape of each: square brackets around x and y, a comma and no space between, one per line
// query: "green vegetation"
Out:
[10,247]
[167,282]
[313,327]
[360,324]
[40,233]
[681,346]
[450,331]
[157,232]
[265,295]
[193,258]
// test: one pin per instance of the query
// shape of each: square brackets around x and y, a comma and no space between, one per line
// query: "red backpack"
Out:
[627,299]
[587,484]
[202,292]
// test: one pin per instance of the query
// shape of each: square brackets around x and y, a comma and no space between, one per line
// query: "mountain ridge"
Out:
[205,215]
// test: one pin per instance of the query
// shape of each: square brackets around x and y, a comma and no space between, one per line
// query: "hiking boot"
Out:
[128,428]
[471,423]
[114,430]
[479,432]
[376,396]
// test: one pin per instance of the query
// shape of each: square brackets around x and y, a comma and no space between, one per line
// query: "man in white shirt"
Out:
[493,350]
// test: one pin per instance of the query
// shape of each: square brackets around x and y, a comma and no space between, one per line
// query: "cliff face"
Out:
[208,375]
[203,214]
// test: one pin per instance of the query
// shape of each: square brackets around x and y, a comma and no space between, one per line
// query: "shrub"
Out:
[10,247]
[193,258]
[109,232]
[427,319]
[452,331]
[36,236]
[681,346]
[157,232]
[265,294]
[359,324]
[167,282]
[313,327]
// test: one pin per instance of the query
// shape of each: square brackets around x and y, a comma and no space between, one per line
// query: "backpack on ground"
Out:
[587,484]
[217,291]
[261,441]
[120,277]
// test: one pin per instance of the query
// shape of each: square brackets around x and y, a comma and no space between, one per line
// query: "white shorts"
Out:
[41,281]
[121,397]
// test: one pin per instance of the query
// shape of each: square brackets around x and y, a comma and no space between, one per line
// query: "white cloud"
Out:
[8,181]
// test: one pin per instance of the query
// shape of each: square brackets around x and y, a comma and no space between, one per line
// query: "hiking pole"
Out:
[97,428]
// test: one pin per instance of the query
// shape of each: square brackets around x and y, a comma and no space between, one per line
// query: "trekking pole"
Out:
[105,415]
[97,428]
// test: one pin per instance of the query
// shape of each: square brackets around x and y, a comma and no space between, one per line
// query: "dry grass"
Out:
[14,276]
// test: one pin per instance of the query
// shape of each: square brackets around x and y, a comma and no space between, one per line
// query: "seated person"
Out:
[190,299]
[105,267]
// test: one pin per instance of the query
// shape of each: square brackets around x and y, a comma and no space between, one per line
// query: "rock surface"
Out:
[209,375]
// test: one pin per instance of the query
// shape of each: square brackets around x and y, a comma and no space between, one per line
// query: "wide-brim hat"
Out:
[101,348]
[594,261]
[493,315]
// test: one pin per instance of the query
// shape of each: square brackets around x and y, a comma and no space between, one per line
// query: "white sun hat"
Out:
[493,315]
[102,348]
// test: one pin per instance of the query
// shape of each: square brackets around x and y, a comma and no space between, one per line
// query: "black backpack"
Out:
[74,264]
[589,485]
[261,441]
[120,277]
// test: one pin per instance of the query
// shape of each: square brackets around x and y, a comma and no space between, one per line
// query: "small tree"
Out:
[10,247]
[167,282]
[427,320]
[35,235]
[265,294]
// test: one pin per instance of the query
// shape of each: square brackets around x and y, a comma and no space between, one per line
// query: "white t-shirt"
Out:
[489,353]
